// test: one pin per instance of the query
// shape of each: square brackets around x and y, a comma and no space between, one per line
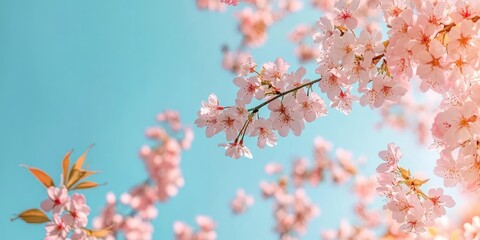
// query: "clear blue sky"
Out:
[73,73]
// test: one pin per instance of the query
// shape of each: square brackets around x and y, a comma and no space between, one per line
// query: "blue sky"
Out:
[73,73]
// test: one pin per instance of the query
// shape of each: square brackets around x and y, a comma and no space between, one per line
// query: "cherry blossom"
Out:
[391,157]
[472,230]
[236,150]
[206,232]
[230,2]
[262,129]
[57,229]
[241,202]
[78,211]
[411,207]
[57,199]
[345,11]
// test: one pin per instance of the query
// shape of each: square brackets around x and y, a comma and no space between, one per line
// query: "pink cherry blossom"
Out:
[57,199]
[137,228]
[345,10]
[343,101]
[230,2]
[448,170]
[311,106]
[432,64]
[212,5]
[236,150]
[241,202]
[78,211]
[273,168]
[472,230]
[439,201]
[249,88]
[262,128]
[391,156]
[285,118]
[182,231]
[57,229]
[206,232]
[274,72]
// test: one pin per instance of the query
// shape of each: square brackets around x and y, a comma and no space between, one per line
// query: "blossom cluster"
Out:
[133,225]
[456,131]
[241,202]
[293,209]
[69,213]
[434,41]
[256,17]
[254,21]
[414,209]
[162,163]
[273,84]
[340,168]
[207,226]
[305,49]
[472,230]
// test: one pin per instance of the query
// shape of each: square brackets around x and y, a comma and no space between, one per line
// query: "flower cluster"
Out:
[292,206]
[341,167]
[434,41]
[206,232]
[241,202]
[133,226]
[69,212]
[212,5]
[230,2]
[456,131]
[414,209]
[289,97]
[302,37]
[472,230]
[292,211]
[162,163]
[257,16]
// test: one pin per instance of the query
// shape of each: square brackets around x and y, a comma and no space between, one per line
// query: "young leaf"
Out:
[65,165]
[86,185]
[101,233]
[32,216]
[78,164]
[77,175]
[41,176]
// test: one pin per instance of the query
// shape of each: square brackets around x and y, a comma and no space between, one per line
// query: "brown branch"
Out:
[255,109]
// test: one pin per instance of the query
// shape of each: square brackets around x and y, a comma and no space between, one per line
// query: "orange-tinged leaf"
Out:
[77,175]
[418,182]
[66,165]
[86,185]
[101,233]
[33,216]
[41,176]
[79,163]
[405,173]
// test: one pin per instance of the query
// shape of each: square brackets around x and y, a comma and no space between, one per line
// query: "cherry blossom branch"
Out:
[255,109]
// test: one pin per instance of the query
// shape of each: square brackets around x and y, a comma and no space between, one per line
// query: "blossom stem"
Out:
[255,109]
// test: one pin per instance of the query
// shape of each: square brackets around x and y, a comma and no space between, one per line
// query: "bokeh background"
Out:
[73,73]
